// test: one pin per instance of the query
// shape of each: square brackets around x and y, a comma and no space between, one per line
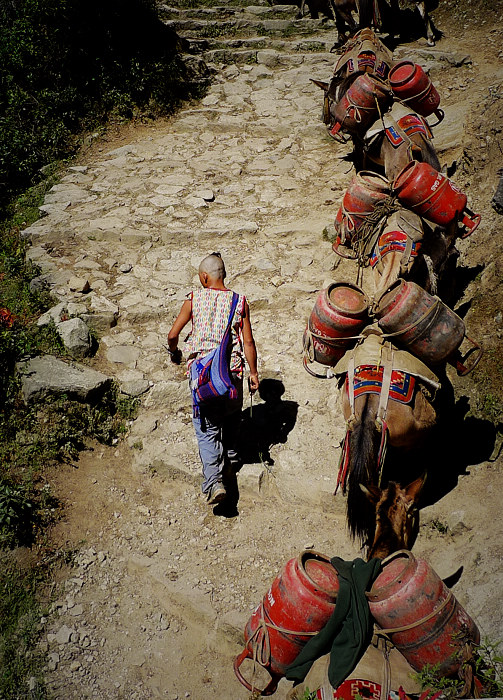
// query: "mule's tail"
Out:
[365,13]
[363,457]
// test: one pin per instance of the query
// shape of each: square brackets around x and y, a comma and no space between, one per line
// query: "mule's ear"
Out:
[320,83]
[373,493]
[413,490]
[451,580]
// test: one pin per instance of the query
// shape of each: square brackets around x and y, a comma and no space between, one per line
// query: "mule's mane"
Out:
[390,497]
[393,529]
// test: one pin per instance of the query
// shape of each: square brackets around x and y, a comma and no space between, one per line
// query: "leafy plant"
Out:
[15,514]
[487,666]
[20,612]
[439,526]
[430,679]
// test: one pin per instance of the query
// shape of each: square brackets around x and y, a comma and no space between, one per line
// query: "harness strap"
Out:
[260,642]
[387,353]
[351,386]
[443,184]
[406,255]
[385,646]
[405,628]
[344,459]
[343,463]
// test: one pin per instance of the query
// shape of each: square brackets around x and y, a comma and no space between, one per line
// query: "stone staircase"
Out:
[236,34]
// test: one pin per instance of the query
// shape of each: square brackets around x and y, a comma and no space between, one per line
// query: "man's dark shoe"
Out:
[216,493]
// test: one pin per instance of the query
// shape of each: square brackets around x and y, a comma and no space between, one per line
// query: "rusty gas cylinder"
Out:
[426,327]
[366,191]
[419,614]
[298,604]
[419,322]
[410,84]
[431,194]
[339,314]
[360,105]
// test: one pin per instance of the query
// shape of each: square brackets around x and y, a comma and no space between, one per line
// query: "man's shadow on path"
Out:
[262,426]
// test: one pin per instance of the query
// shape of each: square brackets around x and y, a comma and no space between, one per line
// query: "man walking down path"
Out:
[217,425]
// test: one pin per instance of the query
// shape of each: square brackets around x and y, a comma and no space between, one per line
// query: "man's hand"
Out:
[253,383]
[175,356]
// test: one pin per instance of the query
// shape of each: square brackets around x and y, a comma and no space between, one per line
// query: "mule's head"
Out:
[397,517]
[327,100]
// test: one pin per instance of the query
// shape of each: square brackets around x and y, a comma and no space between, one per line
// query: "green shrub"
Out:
[487,665]
[15,514]
[20,612]
[35,436]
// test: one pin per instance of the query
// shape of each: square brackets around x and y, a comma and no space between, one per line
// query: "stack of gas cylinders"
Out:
[408,601]
[413,318]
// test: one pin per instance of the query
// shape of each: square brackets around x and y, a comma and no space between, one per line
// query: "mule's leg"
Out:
[348,18]
[314,8]
[428,24]
[344,8]
[394,17]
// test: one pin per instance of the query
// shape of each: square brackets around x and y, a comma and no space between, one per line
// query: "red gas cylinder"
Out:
[424,326]
[420,614]
[410,84]
[432,195]
[360,105]
[298,605]
[339,314]
[366,191]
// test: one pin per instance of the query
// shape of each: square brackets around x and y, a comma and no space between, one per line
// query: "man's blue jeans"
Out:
[217,432]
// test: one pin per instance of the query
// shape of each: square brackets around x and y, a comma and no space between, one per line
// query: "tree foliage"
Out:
[68,65]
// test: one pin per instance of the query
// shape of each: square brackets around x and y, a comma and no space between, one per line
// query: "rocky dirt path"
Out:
[162,587]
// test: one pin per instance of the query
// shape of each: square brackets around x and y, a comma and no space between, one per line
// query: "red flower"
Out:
[6,318]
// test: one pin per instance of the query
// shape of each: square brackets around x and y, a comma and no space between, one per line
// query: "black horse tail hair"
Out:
[365,13]
[363,454]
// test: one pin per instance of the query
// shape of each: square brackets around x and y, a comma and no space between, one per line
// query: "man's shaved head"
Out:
[214,266]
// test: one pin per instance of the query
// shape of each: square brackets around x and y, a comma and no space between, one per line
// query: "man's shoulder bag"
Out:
[210,376]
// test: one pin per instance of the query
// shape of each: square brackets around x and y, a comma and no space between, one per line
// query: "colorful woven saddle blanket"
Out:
[408,125]
[391,242]
[364,53]
[368,380]
[399,124]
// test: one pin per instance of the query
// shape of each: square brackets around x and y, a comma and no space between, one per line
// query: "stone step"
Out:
[255,43]
[241,26]
[265,57]
[170,12]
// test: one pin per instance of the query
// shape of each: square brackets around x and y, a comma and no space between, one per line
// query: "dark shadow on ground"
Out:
[262,426]
[406,26]
[463,276]
[457,442]
[266,424]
